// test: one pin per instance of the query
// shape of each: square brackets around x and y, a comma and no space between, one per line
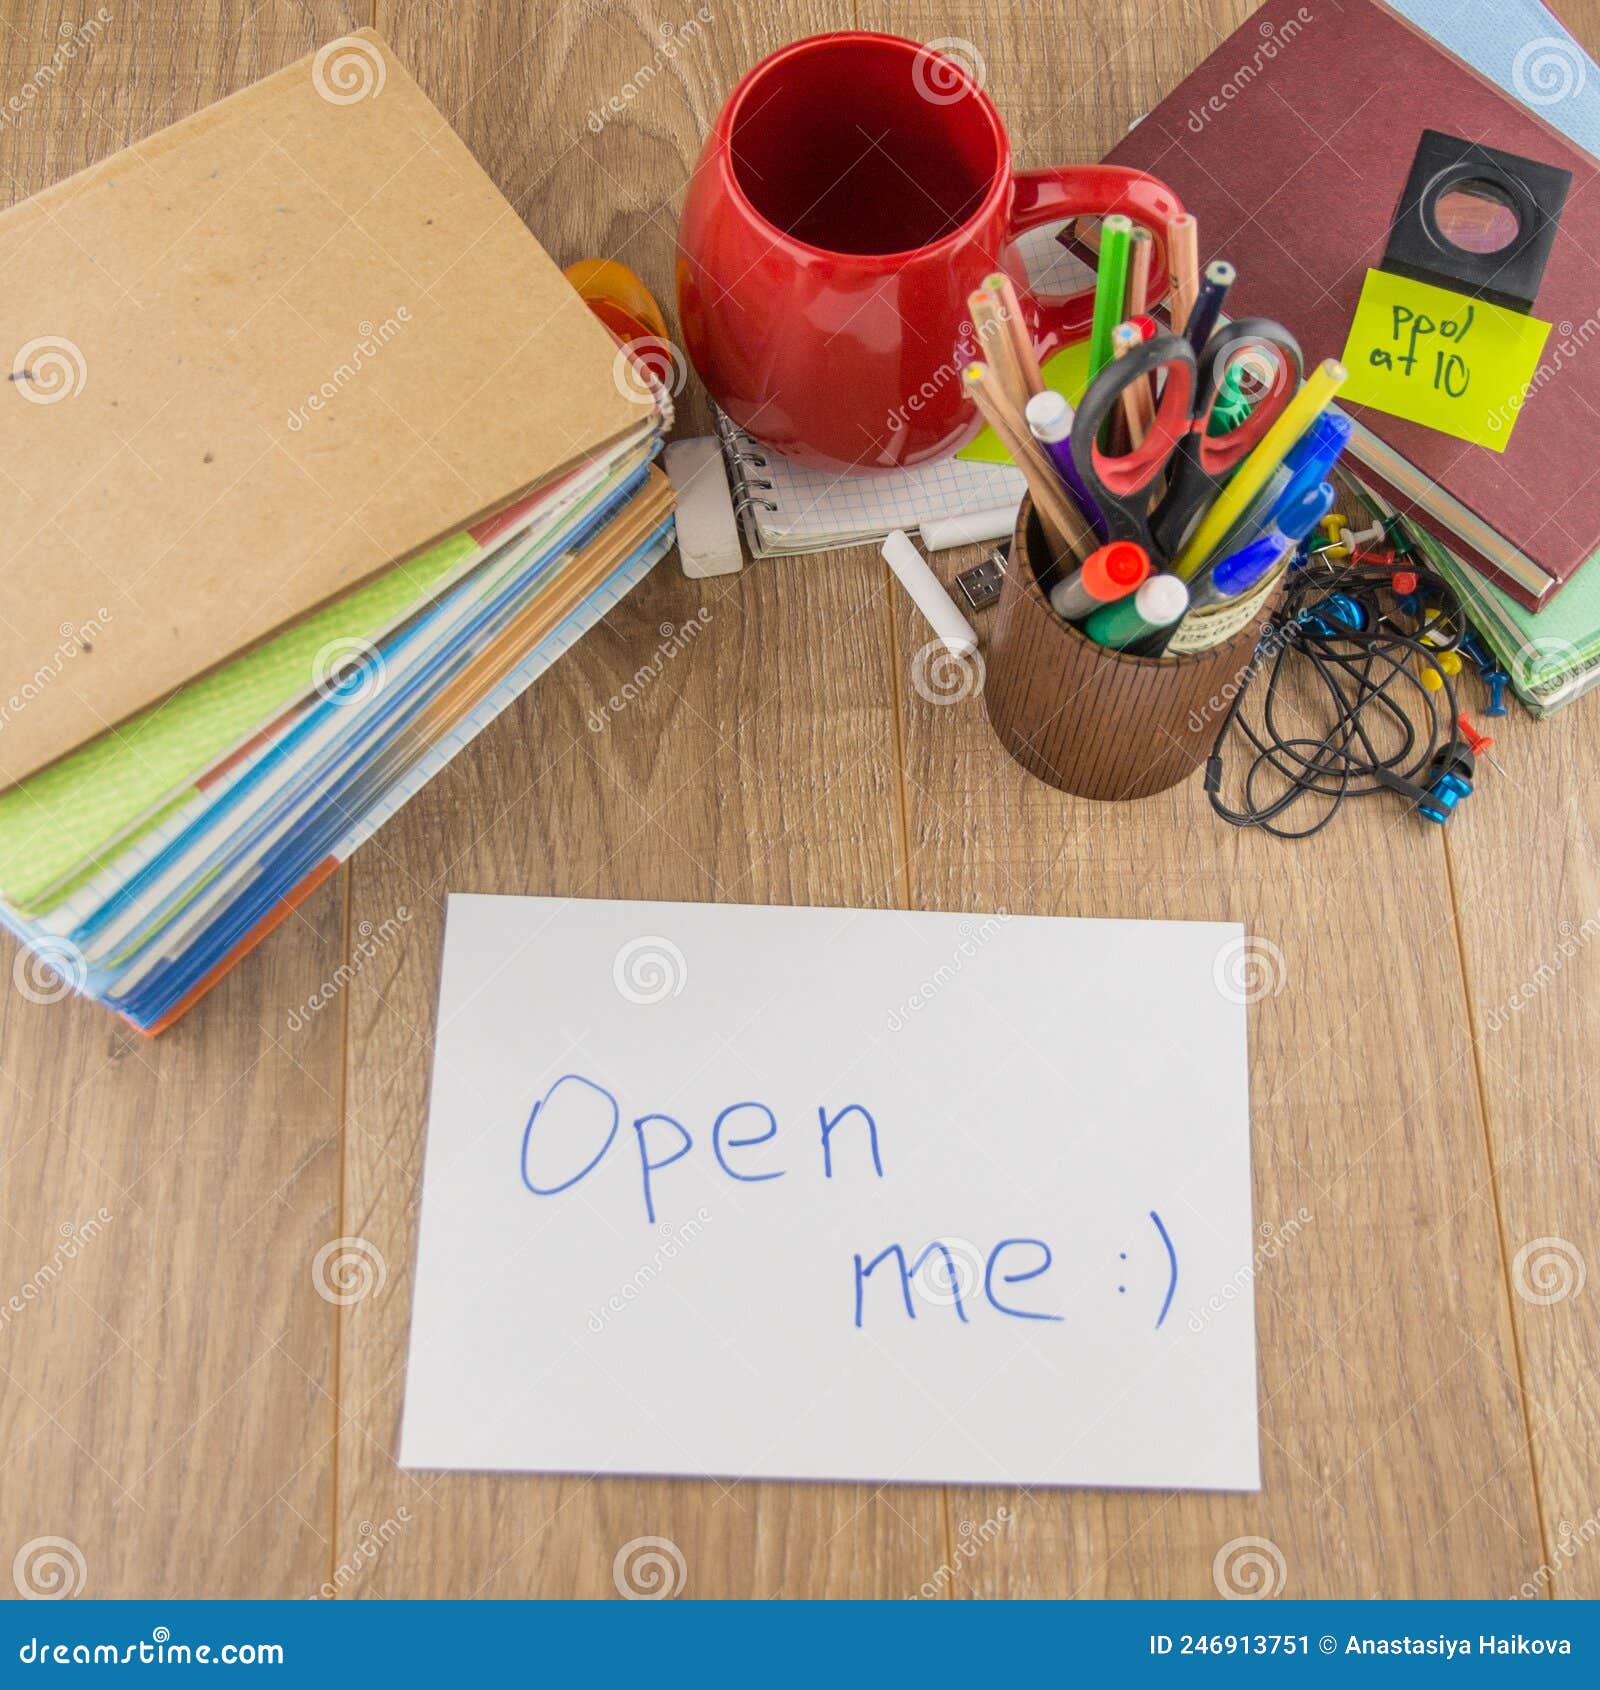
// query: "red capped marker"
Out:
[1109,574]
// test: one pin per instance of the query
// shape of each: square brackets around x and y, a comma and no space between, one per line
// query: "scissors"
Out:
[1179,443]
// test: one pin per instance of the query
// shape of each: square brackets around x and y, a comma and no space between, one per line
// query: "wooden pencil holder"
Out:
[1094,722]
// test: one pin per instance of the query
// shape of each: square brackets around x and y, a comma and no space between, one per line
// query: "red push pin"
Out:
[1477,743]
[1405,582]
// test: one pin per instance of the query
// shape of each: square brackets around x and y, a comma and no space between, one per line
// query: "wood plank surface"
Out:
[165,1398]
[181,1403]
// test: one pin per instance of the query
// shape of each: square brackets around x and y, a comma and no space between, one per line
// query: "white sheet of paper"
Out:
[1077,1088]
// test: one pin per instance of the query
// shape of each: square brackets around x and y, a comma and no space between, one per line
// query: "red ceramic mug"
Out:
[853,191]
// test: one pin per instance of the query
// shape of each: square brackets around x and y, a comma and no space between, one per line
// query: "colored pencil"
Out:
[1111,289]
[1065,528]
[1183,238]
[1141,251]
[1138,405]
[994,343]
[1002,287]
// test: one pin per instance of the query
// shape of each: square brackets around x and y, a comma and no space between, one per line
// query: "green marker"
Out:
[1110,288]
[1159,603]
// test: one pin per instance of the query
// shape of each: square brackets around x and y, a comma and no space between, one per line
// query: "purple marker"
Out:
[1050,422]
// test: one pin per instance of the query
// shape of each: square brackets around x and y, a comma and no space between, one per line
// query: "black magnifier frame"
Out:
[1509,274]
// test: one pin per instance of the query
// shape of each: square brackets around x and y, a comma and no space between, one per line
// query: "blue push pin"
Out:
[1473,647]
[1497,680]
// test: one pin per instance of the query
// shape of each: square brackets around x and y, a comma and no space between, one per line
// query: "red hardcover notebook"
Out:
[1291,144]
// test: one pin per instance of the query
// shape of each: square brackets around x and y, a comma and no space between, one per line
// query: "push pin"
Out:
[1405,586]
[1497,680]
[1477,743]
[1398,533]
[1430,666]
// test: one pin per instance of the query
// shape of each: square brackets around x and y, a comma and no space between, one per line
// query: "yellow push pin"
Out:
[1337,530]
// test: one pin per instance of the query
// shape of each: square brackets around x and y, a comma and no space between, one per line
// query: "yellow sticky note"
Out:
[1067,371]
[1438,358]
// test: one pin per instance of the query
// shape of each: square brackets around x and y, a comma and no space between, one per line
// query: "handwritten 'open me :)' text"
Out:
[578,1123]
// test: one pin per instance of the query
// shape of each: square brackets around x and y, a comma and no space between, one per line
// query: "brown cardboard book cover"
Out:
[1291,144]
[254,359]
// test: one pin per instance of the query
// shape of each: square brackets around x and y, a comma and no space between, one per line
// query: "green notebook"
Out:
[62,822]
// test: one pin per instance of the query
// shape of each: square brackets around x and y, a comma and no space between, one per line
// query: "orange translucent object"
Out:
[618,297]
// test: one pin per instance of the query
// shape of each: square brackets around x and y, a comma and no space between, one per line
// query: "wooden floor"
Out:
[182,1405]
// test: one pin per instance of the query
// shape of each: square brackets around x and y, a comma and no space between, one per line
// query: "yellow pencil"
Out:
[1065,528]
[1183,250]
[1315,395]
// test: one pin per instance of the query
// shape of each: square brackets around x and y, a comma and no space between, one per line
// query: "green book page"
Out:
[62,817]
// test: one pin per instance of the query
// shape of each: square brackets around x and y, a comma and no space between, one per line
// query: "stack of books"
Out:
[1516,530]
[314,462]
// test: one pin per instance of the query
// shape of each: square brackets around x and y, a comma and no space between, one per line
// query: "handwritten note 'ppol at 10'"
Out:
[1442,359]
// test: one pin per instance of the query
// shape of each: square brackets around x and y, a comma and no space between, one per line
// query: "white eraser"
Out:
[708,531]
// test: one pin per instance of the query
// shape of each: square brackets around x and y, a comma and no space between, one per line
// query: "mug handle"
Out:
[1089,190]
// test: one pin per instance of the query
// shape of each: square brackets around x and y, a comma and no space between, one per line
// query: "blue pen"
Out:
[1237,573]
[1208,304]
[1302,472]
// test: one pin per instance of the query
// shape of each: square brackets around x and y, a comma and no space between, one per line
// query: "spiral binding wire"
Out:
[747,488]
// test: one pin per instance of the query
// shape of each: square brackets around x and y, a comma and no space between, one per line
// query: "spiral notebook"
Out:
[786,508]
